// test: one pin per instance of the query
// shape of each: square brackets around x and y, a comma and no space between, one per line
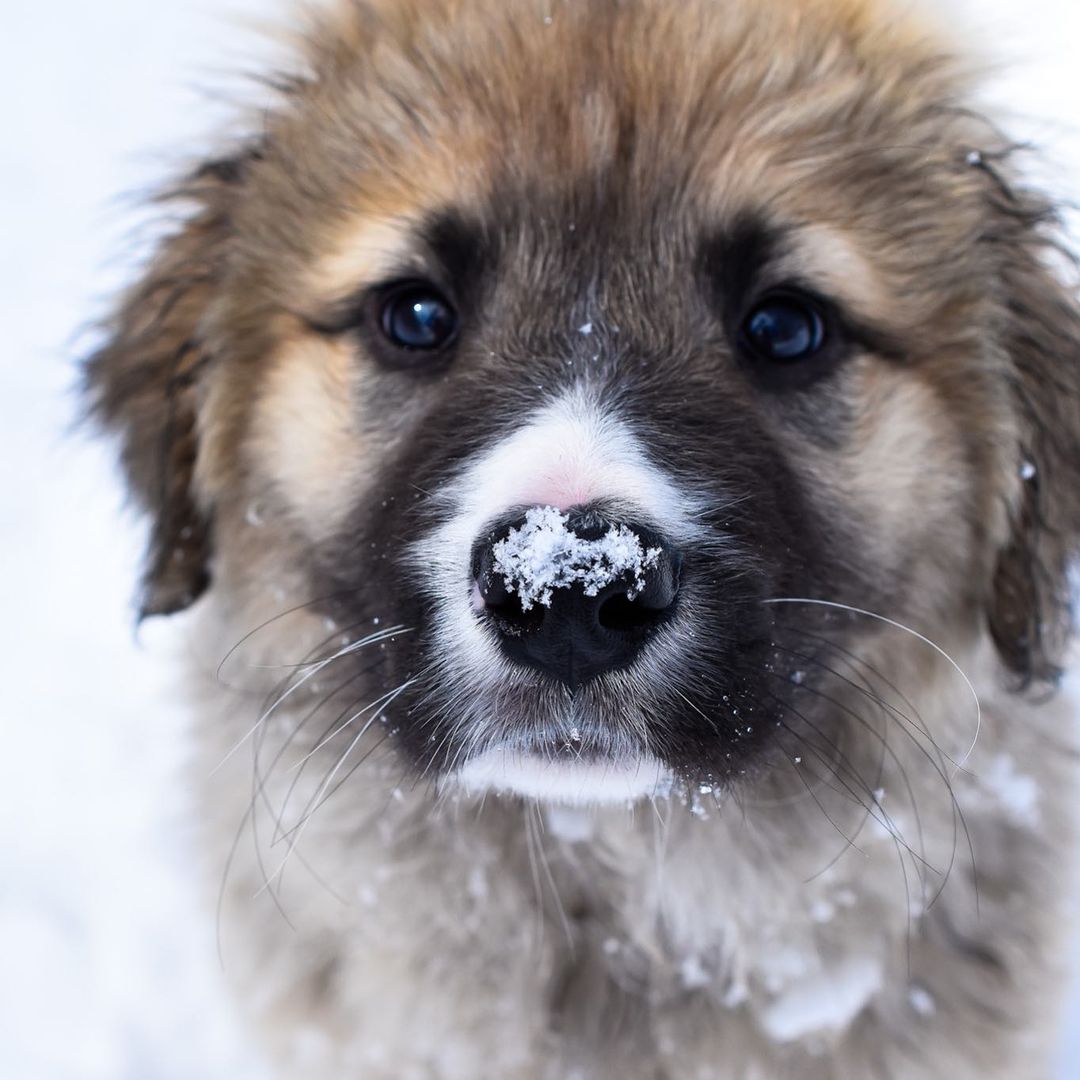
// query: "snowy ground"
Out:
[109,973]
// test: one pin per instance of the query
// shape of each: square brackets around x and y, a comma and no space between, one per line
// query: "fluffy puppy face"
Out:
[741,284]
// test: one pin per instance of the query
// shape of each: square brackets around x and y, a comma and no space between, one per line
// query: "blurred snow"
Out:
[110,971]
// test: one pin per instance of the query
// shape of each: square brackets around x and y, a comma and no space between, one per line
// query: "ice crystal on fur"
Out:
[693,974]
[921,1000]
[820,1001]
[544,555]
[1017,794]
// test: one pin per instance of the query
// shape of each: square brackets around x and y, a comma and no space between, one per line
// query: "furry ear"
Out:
[1030,610]
[143,383]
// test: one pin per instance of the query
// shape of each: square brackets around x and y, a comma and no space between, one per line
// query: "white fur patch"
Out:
[570,452]
[563,783]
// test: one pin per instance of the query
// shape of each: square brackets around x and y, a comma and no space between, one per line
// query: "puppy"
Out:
[625,453]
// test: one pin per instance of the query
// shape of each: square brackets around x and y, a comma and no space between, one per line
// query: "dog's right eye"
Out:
[416,318]
[785,329]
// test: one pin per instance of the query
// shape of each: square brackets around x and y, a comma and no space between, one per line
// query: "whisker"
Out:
[874,808]
[959,822]
[850,842]
[273,618]
[530,847]
[366,756]
[286,743]
[886,750]
[257,782]
[915,633]
[299,831]
[390,694]
[334,728]
[315,668]
[545,865]
[867,690]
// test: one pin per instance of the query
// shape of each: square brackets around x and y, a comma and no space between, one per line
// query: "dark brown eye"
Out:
[784,329]
[417,318]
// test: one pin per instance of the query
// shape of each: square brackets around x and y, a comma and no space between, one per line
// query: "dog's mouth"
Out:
[577,759]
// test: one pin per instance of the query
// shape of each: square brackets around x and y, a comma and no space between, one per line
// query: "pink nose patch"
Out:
[562,494]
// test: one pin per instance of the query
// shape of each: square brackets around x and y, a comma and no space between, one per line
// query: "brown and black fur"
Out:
[654,162]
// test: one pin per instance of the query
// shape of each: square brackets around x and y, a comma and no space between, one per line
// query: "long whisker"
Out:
[897,839]
[874,807]
[314,669]
[959,821]
[286,743]
[386,698]
[937,762]
[545,865]
[887,751]
[883,817]
[366,756]
[268,622]
[908,630]
[854,662]
[530,846]
[299,831]
[882,737]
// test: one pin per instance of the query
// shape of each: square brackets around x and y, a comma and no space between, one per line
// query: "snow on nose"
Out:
[545,554]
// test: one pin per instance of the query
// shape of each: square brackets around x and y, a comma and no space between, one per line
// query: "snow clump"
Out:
[544,555]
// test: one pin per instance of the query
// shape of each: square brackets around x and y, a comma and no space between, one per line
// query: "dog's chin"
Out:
[562,780]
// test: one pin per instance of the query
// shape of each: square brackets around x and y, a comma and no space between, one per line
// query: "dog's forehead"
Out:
[698,101]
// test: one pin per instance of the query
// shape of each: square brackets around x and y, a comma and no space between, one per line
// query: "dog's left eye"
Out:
[784,329]
[417,318]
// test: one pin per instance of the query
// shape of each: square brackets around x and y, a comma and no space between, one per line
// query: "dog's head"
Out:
[591,358]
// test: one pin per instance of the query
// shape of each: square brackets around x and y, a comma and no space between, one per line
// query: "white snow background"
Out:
[107,964]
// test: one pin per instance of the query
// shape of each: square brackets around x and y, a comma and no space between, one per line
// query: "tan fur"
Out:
[305,437]
[360,257]
[439,939]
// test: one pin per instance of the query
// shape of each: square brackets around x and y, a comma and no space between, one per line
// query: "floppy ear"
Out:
[1030,611]
[144,384]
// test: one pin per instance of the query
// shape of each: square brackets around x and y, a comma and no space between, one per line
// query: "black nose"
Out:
[575,594]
